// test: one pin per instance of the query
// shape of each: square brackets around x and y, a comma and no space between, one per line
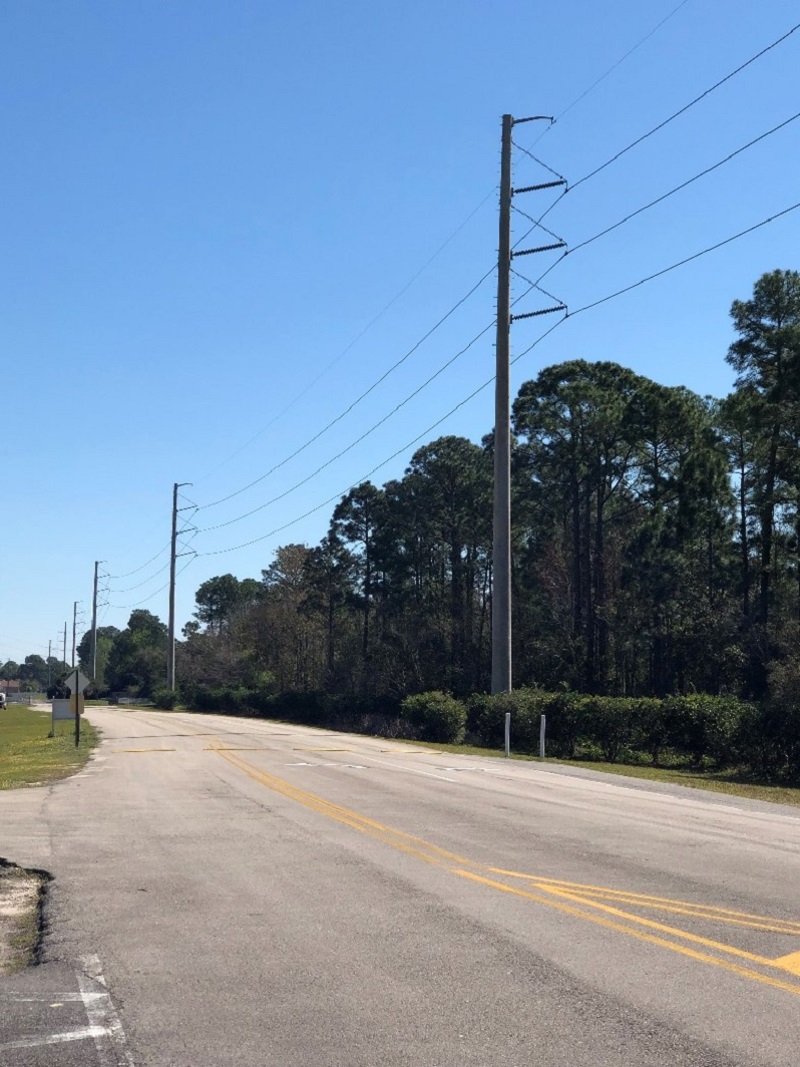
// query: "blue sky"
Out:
[210,209]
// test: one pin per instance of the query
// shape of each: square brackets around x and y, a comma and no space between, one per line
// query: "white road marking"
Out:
[408,770]
[38,998]
[110,1041]
[56,1039]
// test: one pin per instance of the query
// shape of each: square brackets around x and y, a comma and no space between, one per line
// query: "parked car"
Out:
[2,700]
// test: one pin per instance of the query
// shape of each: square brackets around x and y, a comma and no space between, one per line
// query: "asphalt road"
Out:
[235,892]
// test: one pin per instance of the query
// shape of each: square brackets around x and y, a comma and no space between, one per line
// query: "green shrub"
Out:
[614,723]
[565,722]
[436,717]
[166,699]
[486,718]
[709,727]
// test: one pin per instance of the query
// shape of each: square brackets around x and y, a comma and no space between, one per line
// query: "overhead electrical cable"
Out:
[375,426]
[614,66]
[342,414]
[556,325]
[129,574]
[130,588]
[683,185]
[667,270]
[299,396]
[646,207]
[688,259]
[358,440]
[145,600]
[685,108]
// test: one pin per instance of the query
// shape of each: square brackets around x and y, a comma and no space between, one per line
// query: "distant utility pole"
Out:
[501,548]
[49,654]
[64,650]
[74,628]
[172,560]
[97,563]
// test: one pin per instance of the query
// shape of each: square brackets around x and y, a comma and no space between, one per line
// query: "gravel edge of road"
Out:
[22,915]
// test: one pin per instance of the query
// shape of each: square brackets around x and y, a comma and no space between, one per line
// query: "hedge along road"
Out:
[261,893]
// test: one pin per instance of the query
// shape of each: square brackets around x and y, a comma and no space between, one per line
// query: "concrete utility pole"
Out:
[501,549]
[97,563]
[74,628]
[172,559]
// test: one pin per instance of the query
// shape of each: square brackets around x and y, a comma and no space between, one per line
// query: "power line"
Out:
[379,423]
[129,574]
[646,207]
[531,285]
[683,185]
[612,68]
[125,607]
[688,259]
[440,370]
[686,107]
[145,581]
[357,401]
[337,496]
[665,270]
[356,339]
[472,395]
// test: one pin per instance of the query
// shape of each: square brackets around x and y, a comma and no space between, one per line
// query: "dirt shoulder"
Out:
[21,895]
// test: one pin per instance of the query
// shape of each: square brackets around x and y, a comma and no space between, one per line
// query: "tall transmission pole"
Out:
[501,547]
[74,628]
[97,563]
[172,560]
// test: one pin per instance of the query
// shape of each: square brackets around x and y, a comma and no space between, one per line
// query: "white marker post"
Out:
[508,734]
[542,728]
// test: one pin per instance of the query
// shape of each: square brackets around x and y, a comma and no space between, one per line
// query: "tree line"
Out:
[656,546]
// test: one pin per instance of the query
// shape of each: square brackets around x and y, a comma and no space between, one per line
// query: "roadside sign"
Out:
[76,682]
[62,709]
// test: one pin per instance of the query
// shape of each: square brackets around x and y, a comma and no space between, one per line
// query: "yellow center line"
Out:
[323,750]
[707,911]
[790,963]
[570,894]
[641,935]
[144,750]
[651,924]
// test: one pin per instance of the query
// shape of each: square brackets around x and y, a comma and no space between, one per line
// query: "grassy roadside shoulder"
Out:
[29,757]
[728,782]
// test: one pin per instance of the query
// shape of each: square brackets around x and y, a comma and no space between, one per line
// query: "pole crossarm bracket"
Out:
[543,311]
[541,248]
[541,185]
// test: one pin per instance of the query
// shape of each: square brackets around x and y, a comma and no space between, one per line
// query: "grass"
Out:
[730,782]
[29,757]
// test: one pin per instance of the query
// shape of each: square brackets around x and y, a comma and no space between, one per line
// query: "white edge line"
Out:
[56,1039]
[409,770]
[103,1015]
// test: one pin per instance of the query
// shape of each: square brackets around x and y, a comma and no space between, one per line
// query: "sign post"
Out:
[76,683]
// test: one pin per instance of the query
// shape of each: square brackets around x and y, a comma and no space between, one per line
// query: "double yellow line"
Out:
[599,905]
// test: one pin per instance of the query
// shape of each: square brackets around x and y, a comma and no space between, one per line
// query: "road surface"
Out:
[239,892]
